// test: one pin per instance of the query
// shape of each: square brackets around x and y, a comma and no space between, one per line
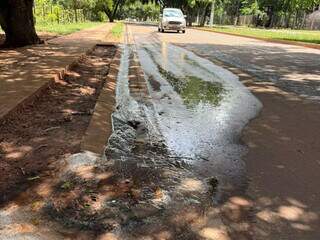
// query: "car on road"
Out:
[172,19]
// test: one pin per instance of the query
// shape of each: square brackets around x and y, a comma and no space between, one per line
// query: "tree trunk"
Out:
[237,13]
[288,18]
[203,19]
[198,17]
[295,22]
[203,16]
[109,14]
[312,23]
[16,19]
[270,14]
[75,14]
[236,20]
[212,13]
[221,19]
[303,23]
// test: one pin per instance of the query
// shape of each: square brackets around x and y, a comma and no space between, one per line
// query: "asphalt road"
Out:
[275,158]
[292,68]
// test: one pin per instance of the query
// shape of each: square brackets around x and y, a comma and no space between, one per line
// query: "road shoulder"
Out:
[294,43]
[282,165]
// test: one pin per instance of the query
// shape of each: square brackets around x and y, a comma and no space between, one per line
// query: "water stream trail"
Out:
[201,109]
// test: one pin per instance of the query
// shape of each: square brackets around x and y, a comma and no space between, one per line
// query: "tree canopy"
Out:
[268,13]
[17,18]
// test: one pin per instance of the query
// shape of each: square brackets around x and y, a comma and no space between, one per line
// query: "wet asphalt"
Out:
[198,110]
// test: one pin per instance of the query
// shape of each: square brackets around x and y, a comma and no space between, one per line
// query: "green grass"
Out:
[117,30]
[63,29]
[276,34]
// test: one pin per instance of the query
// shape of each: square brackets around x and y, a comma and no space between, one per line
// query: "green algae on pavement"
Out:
[196,91]
[192,89]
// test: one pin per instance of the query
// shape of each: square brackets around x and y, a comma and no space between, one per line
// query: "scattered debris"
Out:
[33,178]
[51,129]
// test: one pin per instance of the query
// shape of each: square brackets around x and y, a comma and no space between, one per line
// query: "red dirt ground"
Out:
[43,35]
[52,127]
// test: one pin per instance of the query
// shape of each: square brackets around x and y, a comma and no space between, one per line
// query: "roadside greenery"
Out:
[267,13]
[67,28]
[140,11]
[117,30]
[67,11]
[18,18]
[48,12]
[276,34]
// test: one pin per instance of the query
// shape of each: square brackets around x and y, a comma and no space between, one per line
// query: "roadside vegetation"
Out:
[65,28]
[264,13]
[117,30]
[274,34]
[269,19]
[20,19]
[140,11]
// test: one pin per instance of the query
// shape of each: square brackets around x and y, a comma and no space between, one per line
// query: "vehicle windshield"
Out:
[172,13]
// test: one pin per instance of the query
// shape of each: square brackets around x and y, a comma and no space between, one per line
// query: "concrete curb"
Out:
[100,126]
[63,52]
[31,99]
[294,43]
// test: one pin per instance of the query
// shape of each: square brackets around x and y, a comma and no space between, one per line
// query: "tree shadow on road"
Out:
[289,68]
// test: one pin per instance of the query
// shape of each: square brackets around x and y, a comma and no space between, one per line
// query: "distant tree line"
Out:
[266,13]
[140,10]
[66,11]
[18,17]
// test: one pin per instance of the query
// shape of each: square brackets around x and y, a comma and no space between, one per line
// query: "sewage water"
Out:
[201,109]
[197,110]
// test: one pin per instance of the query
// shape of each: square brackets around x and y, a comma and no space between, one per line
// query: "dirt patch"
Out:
[52,127]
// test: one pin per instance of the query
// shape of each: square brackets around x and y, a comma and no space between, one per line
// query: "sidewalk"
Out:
[25,71]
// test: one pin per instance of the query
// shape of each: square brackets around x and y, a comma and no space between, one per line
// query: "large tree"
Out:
[16,20]
[110,7]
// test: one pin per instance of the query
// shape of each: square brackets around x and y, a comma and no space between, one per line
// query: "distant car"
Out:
[172,19]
